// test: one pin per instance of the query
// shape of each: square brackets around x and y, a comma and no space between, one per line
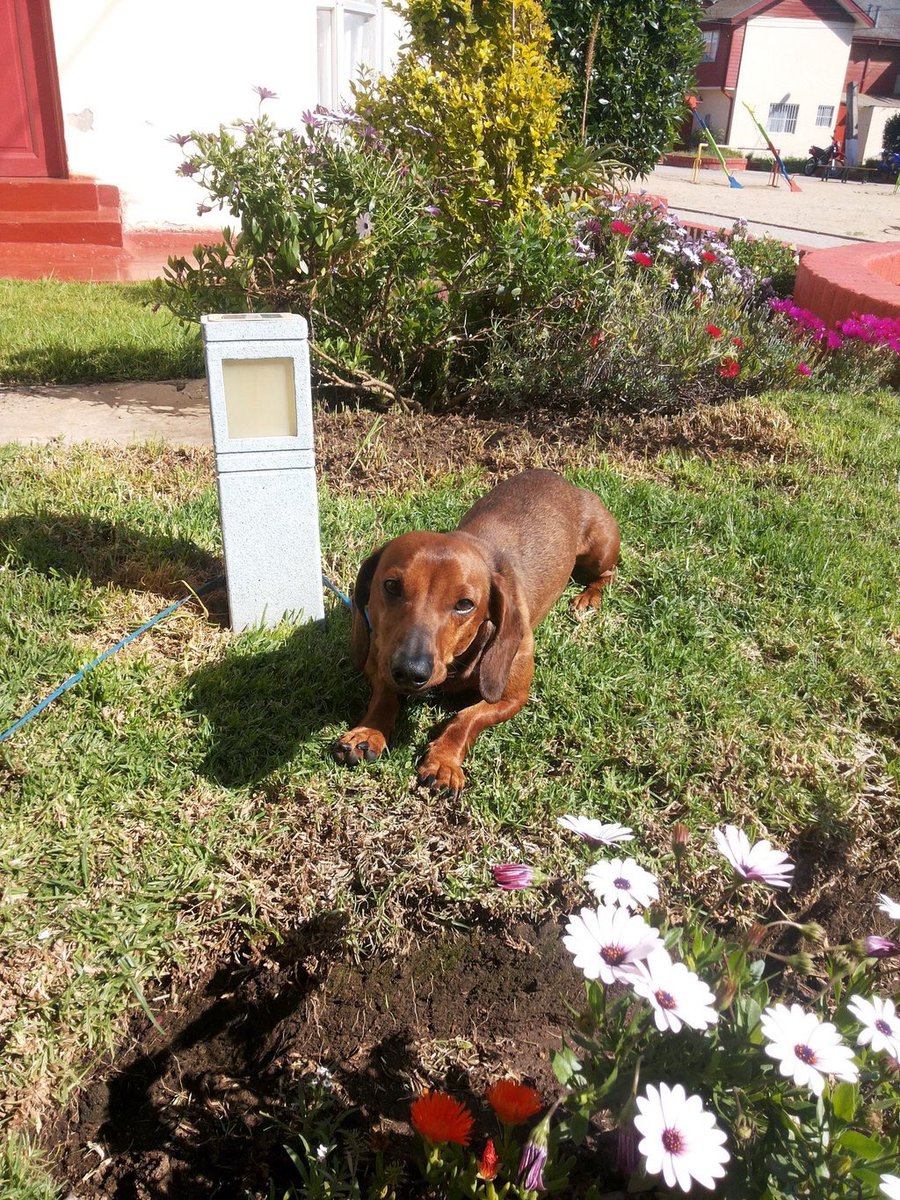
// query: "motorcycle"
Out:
[890,162]
[829,157]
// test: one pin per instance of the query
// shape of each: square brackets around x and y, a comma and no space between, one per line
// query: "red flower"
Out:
[804,369]
[514,1103]
[708,256]
[729,367]
[642,259]
[440,1118]
[489,1162]
[714,331]
[596,338]
[622,227]
[739,342]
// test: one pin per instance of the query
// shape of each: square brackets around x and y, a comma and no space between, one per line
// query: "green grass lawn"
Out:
[180,798]
[53,332]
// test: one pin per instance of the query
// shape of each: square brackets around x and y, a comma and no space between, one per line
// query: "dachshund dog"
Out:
[454,612]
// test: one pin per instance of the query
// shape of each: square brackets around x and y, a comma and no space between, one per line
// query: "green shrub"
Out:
[475,98]
[638,59]
[891,135]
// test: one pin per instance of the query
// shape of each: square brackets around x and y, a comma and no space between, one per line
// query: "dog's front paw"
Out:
[440,774]
[358,745]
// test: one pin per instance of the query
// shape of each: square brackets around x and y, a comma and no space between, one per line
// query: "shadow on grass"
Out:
[104,552]
[58,363]
[262,706]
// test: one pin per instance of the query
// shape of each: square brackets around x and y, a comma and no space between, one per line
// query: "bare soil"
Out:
[195,1110]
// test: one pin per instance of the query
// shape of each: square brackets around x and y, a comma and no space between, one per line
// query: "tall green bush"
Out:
[476,99]
[637,58]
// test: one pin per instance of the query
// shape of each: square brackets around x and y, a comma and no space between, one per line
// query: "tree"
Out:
[891,135]
[638,58]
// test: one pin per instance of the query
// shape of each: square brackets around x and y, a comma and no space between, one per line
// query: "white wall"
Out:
[872,120]
[791,61]
[134,71]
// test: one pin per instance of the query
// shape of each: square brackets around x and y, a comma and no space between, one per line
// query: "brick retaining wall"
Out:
[862,278]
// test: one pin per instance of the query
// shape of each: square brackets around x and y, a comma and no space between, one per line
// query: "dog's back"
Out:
[548,530]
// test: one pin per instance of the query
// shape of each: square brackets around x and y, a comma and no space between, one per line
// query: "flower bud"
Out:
[725,993]
[534,1155]
[489,1162]
[813,932]
[681,835]
[802,963]
[755,935]
[512,876]
[881,947]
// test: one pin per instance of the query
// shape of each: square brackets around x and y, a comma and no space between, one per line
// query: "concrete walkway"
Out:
[868,212]
[116,413]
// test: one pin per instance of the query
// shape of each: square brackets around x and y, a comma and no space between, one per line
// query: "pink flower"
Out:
[512,876]
[642,259]
[714,331]
[882,947]
[803,369]
[622,227]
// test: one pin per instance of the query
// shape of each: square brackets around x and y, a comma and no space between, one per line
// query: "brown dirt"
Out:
[192,1111]
[358,448]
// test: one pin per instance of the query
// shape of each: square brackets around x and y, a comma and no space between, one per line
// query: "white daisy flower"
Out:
[681,1139]
[890,1186]
[880,1024]
[889,906]
[622,881]
[678,996]
[590,830]
[759,862]
[607,941]
[807,1049]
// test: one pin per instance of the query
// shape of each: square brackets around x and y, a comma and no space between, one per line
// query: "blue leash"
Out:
[79,675]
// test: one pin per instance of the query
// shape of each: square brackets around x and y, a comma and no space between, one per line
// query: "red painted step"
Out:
[74,211]
[48,195]
[101,227]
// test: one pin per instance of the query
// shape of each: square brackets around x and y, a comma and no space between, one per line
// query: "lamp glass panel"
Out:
[260,401]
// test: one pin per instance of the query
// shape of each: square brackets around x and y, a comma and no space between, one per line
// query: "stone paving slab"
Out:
[116,413]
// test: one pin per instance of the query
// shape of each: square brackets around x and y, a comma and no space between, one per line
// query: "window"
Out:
[825,115]
[346,43]
[710,45]
[782,118]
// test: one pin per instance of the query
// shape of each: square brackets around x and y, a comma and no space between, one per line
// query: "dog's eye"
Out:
[393,587]
[464,606]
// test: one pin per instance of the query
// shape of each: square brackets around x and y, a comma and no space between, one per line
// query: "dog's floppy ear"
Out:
[505,613]
[359,634]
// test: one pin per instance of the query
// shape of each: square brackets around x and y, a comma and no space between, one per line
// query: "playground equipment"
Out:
[692,105]
[778,160]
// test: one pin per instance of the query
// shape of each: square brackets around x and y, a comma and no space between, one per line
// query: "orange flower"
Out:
[514,1102]
[489,1162]
[440,1118]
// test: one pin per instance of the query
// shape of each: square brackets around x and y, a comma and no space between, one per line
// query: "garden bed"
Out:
[734,162]
[738,670]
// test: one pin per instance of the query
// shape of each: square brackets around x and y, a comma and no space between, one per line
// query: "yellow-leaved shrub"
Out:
[475,98]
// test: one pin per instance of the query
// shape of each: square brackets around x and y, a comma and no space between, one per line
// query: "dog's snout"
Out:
[411,670]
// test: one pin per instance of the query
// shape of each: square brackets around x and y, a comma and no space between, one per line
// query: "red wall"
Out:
[874,68]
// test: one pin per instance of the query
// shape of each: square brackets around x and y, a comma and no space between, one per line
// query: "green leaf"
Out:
[858,1143]
[843,1101]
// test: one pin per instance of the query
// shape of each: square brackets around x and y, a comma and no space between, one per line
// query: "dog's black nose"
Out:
[411,671]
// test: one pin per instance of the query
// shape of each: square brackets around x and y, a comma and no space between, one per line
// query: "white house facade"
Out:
[131,74]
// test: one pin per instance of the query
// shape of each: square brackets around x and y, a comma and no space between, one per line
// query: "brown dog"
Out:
[453,612]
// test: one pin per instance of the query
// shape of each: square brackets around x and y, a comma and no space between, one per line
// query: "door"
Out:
[31,128]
